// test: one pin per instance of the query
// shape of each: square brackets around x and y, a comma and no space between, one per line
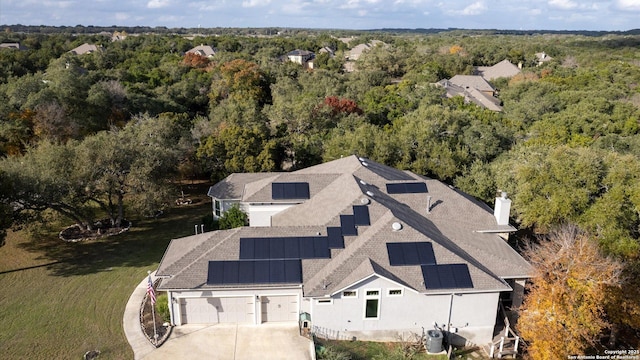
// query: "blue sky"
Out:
[341,14]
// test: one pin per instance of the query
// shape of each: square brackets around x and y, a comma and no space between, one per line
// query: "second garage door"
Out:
[279,308]
[217,310]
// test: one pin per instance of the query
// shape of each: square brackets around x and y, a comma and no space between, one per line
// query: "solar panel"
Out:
[261,246]
[291,248]
[306,248]
[261,272]
[416,188]
[276,248]
[230,272]
[214,275]
[462,275]
[247,248]
[290,190]
[361,215]
[407,188]
[293,271]
[431,277]
[321,248]
[276,272]
[246,271]
[396,255]
[448,276]
[410,253]
[447,281]
[347,225]
[425,253]
[335,239]
[277,191]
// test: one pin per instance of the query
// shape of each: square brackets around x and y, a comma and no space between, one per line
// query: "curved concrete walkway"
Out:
[221,341]
[131,321]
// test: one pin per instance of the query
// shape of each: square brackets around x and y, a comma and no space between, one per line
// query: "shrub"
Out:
[162,307]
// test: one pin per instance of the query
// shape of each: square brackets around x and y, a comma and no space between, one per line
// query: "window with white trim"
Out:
[394,292]
[217,204]
[372,304]
[324,301]
[350,294]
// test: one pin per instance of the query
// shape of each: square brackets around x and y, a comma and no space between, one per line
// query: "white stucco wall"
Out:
[260,215]
[473,315]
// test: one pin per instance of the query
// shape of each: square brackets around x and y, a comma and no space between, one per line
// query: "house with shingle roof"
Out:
[86,49]
[16,46]
[203,50]
[474,89]
[503,69]
[359,249]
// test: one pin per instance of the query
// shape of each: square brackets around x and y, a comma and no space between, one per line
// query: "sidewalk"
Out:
[131,321]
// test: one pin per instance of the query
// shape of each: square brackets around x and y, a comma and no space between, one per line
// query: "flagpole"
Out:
[153,316]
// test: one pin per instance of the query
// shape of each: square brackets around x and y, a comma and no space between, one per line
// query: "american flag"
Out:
[150,292]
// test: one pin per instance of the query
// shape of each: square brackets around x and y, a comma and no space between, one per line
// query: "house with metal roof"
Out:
[357,248]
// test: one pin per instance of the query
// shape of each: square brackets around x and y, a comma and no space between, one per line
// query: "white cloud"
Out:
[628,5]
[563,4]
[254,3]
[156,4]
[476,8]
[120,16]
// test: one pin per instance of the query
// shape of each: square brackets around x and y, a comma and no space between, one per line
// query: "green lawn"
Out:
[60,300]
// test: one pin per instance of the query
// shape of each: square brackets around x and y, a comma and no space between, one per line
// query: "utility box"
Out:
[434,341]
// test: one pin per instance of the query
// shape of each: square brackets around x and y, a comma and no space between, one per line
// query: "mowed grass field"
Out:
[59,300]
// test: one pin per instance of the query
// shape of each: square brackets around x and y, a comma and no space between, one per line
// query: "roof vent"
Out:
[362,159]
[365,201]
[363,182]
[364,163]
[369,193]
[396,226]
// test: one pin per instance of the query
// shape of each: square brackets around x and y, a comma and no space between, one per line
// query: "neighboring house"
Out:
[356,52]
[473,88]
[471,95]
[365,250]
[203,50]
[503,69]
[542,58]
[15,46]
[302,57]
[86,49]
[119,36]
[327,50]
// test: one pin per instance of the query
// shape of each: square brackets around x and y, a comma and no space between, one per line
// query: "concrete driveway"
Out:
[230,341]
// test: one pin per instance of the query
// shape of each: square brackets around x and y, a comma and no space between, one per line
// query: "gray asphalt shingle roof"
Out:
[460,228]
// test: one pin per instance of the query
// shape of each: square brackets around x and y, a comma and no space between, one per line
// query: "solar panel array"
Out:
[233,272]
[290,190]
[277,248]
[407,188]
[411,253]
[449,276]
[277,260]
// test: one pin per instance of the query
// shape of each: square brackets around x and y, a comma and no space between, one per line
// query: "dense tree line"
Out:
[99,134]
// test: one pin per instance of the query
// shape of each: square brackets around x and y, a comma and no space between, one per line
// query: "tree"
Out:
[233,218]
[6,216]
[563,314]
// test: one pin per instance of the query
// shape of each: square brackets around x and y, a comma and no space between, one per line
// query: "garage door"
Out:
[279,308]
[217,310]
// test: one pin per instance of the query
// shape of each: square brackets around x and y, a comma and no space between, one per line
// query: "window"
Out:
[217,206]
[350,294]
[325,301]
[372,304]
[394,292]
